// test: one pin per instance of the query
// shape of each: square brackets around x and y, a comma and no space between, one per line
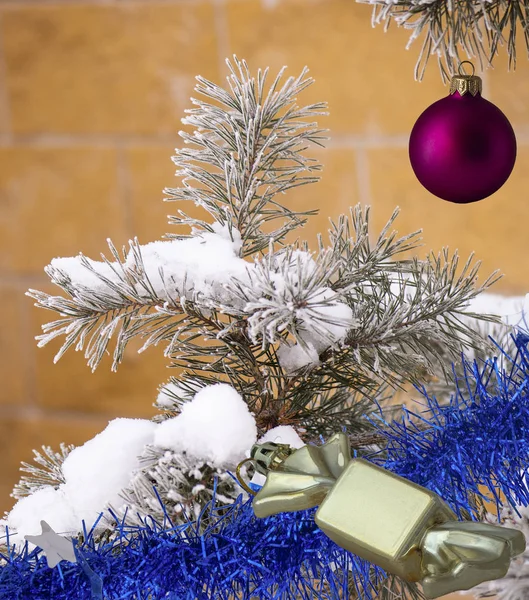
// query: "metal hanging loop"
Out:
[468,63]
[239,477]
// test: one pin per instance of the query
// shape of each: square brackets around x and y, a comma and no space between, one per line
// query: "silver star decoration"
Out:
[55,546]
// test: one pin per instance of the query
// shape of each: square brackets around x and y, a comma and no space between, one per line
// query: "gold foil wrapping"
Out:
[386,519]
[381,517]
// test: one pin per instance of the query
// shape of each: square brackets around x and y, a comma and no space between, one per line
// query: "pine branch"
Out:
[110,299]
[407,322]
[394,588]
[47,471]
[174,486]
[358,259]
[412,318]
[404,320]
[451,27]
[246,149]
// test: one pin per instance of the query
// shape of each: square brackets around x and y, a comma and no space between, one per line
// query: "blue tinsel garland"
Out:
[479,438]
[281,557]
[477,444]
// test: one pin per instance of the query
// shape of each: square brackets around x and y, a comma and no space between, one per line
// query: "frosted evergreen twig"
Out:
[46,472]
[247,147]
[183,485]
[124,305]
[451,27]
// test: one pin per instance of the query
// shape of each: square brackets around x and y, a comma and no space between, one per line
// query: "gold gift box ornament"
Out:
[404,528]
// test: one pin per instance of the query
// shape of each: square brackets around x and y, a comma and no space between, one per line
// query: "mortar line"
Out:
[22,280]
[37,413]
[29,348]
[362,176]
[96,140]
[222,34]
[364,184]
[337,141]
[5,106]
[485,78]
[124,192]
[368,141]
[103,141]
[14,4]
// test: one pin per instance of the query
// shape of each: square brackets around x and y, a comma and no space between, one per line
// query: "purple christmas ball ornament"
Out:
[462,148]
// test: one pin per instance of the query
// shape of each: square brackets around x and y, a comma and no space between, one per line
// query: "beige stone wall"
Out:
[91,93]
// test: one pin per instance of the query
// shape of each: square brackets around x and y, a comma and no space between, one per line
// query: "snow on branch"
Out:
[136,294]
[213,432]
[288,291]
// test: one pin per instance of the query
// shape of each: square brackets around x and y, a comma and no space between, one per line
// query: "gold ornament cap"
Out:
[269,455]
[466,84]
